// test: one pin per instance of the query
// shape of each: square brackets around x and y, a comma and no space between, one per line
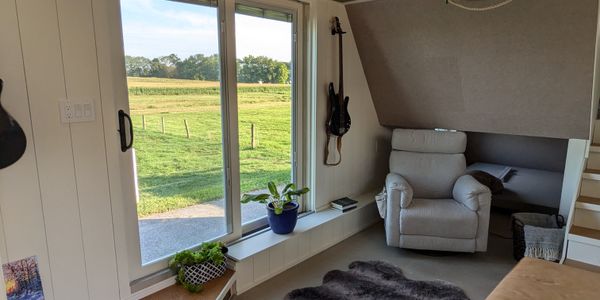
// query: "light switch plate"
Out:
[75,111]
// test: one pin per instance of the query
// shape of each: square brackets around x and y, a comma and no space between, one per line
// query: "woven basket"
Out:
[200,273]
[519,235]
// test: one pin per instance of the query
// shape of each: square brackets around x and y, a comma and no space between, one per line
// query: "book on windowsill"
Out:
[344,204]
[347,209]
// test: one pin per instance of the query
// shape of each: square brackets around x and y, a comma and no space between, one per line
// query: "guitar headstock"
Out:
[337,27]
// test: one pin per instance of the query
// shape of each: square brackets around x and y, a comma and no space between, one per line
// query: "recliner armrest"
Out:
[399,196]
[395,182]
[471,193]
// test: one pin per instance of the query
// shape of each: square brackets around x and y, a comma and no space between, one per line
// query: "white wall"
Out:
[365,149]
[56,203]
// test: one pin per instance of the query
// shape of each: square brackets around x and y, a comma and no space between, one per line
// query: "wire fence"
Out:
[188,132]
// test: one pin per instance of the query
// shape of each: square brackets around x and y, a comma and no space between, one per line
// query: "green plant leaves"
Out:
[288,187]
[277,200]
[273,190]
[262,198]
[208,252]
[299,192]
[278,210]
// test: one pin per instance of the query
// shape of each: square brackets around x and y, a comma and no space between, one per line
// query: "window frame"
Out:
[296,10]
[125,219]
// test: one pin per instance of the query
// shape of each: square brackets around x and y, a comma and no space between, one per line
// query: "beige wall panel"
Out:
[525,68]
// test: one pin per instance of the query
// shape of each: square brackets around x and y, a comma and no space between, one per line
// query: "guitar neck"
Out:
[341,84]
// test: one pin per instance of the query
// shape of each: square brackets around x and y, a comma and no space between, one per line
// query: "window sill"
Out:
[265,240]
[251,245]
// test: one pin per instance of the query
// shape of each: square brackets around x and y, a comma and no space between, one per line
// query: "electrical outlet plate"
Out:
[75,111]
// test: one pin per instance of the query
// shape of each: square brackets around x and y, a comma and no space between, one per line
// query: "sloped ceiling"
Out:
[525,69]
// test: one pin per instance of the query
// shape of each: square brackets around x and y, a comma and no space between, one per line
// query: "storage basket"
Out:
[200,273]
[519,233]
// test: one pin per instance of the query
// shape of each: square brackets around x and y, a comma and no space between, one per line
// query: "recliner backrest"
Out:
[431,161]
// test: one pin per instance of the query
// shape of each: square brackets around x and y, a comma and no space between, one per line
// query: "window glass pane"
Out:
[264,54]
[173,68]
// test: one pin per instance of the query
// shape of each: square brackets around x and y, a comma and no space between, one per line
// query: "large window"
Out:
[213,98]
[265,103]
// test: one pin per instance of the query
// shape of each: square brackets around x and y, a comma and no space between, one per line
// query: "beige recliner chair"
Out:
[431,204]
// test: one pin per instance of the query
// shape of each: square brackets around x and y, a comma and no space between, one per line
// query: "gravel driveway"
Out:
[163,234]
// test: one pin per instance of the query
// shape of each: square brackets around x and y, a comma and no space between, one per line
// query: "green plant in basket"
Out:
[275,198]
[207,253]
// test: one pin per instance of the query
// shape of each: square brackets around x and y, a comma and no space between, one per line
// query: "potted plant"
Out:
[282,210]
[194,268]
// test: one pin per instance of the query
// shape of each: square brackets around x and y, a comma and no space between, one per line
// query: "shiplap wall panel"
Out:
[22,217]
[338,228]
[327,234]
[81,78]
[43,64]
[261,265]
[303,246]
[316,239]
[244,271]
[290,251]
[276,255]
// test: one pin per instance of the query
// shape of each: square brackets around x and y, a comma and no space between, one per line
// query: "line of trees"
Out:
[250,69]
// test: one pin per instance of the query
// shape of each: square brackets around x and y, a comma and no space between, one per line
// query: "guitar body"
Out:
[340,121]
[12,138]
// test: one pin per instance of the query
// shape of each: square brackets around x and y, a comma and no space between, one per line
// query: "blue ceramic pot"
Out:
[285,222]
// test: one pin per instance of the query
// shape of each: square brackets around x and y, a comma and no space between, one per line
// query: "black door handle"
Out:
[124,145]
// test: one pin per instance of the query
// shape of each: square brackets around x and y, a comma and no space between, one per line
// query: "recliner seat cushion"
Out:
[431,175]
[438,217]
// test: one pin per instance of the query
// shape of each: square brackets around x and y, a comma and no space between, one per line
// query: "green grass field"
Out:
[176,172]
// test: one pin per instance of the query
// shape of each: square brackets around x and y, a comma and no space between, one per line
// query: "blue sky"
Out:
[154,28]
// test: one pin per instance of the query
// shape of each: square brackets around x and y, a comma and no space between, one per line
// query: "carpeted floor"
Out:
[477,274]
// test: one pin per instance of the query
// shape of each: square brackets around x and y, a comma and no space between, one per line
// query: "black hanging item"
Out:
[12,138]
[338,120]
[124,145]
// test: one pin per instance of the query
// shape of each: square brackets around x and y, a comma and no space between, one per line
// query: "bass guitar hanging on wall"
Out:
[12,138]
[338,120]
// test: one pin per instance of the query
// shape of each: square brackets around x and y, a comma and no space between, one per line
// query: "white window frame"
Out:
[115,97]
[295,9]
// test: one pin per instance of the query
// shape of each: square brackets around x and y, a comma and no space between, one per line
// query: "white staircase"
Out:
[583,237]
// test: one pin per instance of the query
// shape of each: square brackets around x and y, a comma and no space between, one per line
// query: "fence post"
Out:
[162,121]
[253,136]
[187,129]
[143,122]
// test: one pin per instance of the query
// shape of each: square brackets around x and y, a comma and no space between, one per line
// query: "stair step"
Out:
[590,203]
[585,235]
[590,188]
[593,160]
[582,265]
[595,147]
[593,174]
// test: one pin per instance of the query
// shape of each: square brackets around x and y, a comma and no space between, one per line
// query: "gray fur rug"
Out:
[376,280]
